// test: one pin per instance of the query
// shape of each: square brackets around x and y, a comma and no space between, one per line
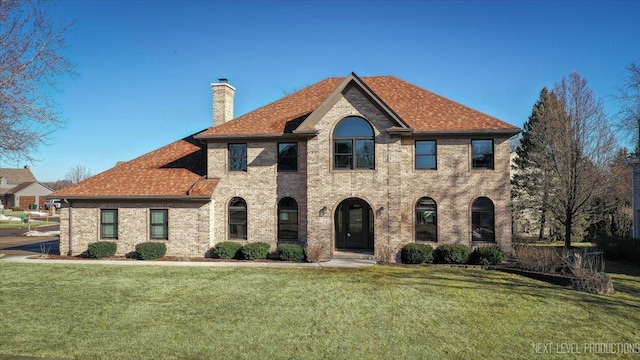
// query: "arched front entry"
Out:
[354,225]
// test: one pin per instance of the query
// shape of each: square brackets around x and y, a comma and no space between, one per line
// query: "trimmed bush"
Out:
[151,250]
[451,254]
[415,253]
[102,249]
[256,250]
[290,252]
[486,255]
[226,250]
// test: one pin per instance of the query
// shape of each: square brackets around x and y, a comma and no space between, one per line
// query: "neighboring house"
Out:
[634,162]
[19,188]
[347,164]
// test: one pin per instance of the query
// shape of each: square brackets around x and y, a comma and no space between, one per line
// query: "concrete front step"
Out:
[353,255]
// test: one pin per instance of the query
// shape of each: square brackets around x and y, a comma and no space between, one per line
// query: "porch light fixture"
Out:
[323,211]
[380,211]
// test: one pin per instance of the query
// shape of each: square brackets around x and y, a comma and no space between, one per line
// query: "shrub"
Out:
[538,258]
[256,250]
[415,253]
[227,250]
[486,255]
[17,209]
[151,250]
[451,254]
[316,252]
[620,248]
[290,252]
[102,249]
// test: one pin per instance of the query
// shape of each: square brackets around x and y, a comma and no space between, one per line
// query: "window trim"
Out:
[283,157]
[415,227]
[114,224]
[435,155]
[297,223]
[354,153]
[230,157]
[493,156]
[230,235]
[164,224]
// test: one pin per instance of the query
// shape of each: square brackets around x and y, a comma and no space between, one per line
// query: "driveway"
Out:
[13,243]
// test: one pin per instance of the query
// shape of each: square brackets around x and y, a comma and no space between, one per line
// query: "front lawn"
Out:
[381,312]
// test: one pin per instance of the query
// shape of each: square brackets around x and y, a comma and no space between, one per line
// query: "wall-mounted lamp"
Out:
[323,211]
[380,211]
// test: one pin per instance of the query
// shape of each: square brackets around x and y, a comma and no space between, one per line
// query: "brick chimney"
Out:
[222,101]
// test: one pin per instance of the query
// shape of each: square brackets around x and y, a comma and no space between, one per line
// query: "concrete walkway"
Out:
[333,263]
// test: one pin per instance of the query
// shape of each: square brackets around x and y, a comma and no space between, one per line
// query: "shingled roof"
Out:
[421,110]
[177,170]
[17,176]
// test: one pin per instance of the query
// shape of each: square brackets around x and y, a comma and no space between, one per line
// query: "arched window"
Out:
[426,220]
[483,220]
[238,219]
[288,219]
[353,145]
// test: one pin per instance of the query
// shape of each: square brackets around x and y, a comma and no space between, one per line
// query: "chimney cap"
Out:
[223,80]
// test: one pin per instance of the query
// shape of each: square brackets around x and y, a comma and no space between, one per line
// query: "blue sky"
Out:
[146,66]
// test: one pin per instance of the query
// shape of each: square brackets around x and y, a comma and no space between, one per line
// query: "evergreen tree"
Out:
[530,185]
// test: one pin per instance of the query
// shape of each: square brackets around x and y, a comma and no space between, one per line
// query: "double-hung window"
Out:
[237,157]
[159,224]
[482,154]
[288,157]
[109,224]
[426,155]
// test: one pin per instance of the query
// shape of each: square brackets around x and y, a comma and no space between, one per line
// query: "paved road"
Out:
[13,243]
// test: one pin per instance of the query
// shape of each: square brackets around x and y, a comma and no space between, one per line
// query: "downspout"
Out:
[69,252]
[195,184]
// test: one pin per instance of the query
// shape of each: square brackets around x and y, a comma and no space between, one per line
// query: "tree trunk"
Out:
[567,230]
[543,210]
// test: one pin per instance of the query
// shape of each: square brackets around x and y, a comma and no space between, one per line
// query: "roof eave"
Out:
[261,137]
[132,197]
[478,132]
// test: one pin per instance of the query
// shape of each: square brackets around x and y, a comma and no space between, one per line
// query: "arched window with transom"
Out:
[287,219]
[483,220]
[353,144]
[426,220]
[237,219]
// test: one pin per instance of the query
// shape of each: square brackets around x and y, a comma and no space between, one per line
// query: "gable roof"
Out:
[17,176]
[177,170]
[420,110]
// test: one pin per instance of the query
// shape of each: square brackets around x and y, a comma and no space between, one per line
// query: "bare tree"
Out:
[629,97]
[31,63]
[575,146]
[77,174]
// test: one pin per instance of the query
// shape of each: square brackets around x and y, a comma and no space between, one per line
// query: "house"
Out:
[19,188]
[344,165]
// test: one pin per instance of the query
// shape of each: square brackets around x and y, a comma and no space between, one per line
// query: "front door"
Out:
[354,225]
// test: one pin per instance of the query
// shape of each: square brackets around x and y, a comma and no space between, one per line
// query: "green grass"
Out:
[18,225]
[381,312]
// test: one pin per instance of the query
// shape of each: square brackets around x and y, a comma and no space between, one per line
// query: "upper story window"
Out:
[426,154]
[109,224]
[237,157]
[288,157]
[353,144]
[159,224]
[482,154]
